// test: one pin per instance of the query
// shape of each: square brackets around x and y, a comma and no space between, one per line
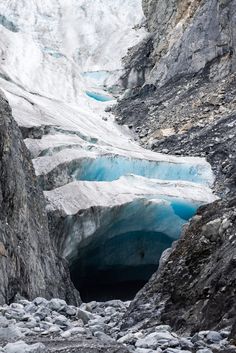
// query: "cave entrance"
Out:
[119,267]
[122,245]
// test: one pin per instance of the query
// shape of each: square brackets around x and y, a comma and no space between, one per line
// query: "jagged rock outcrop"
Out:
[195,289]
[187,106]
[29,265]
[188,35]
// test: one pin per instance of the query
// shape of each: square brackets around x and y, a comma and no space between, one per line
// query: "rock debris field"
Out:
[41,325]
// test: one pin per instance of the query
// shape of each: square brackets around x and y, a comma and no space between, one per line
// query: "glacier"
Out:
[113,206]
[113,233]
[99,96]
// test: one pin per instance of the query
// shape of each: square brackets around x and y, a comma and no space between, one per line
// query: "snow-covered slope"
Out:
[66,38]
[53,52]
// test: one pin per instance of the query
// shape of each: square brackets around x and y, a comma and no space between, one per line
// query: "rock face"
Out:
[186,105]
[28,264]
[200,292]
[208,25]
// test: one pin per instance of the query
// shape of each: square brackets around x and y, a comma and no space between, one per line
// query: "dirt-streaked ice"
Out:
[51,53]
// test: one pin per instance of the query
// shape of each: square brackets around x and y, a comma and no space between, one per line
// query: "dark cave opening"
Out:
[117,268]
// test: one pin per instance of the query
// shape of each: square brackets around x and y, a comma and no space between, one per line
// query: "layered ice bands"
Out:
[112,167]
[72,164]
[113,206]
[81,198]
[113,233]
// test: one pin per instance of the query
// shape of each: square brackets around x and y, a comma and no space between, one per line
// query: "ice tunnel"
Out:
[119,214]
[121,246]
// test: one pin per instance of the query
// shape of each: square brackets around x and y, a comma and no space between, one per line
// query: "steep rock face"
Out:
[28,264]
[186,36]
[209,26]
[200,292]
[186,105]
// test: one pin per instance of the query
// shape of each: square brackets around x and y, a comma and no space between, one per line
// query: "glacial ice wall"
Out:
[101,187]
[114,232]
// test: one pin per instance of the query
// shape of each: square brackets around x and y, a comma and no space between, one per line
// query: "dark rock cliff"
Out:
[28,263]
[186,36]
[186,106]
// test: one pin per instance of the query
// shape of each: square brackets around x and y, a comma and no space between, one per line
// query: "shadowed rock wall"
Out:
[186,106]
[29,265]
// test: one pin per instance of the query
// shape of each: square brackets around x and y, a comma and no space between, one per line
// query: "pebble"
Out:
[144,350]
[22,347]
[57,305]
[155,339]
[214,337]
[55,318]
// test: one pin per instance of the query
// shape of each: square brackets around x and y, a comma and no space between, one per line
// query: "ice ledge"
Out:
[80,195]
[84,211]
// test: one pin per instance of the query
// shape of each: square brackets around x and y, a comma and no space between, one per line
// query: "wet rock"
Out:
[103,337]
[61,321]
[130,338]
[84,315]
[10,333]
[185,343]
[146,350]
[175,350]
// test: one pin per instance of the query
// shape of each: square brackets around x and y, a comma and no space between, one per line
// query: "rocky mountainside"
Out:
[103,190]
[186,105]
[29,266]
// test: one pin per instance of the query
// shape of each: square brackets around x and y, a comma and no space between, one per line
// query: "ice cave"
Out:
[113,206]
[113,249]
[125,248]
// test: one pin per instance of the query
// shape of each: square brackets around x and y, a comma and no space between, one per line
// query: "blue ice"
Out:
[8,24]
[98,96]
[127,246]
[108,168]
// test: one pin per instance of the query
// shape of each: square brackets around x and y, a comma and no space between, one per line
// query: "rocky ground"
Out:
[183,104]
[54,326]
[192,116]
[186,106]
